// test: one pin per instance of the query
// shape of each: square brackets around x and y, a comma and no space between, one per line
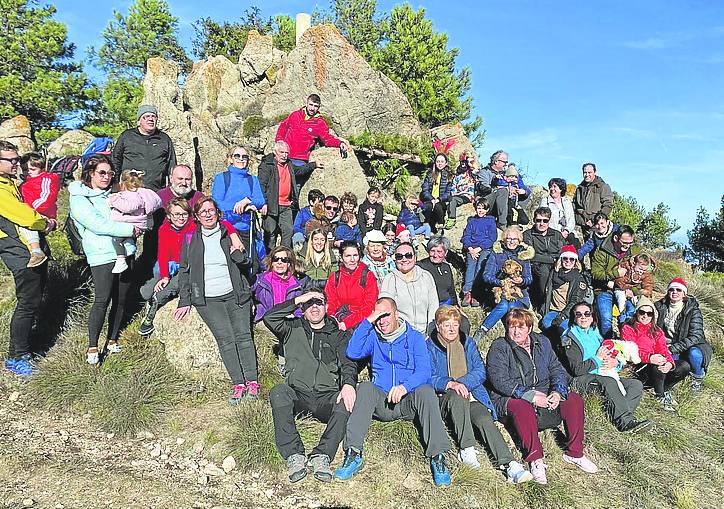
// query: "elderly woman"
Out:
[680,319]
[658,368]
[319,260]
[510,248]
[530,391]
[90,211]
[562,216]
[588,359]
[458,375]
[435,192]
[376,257]
[279,283]
[435,264]
[210,280]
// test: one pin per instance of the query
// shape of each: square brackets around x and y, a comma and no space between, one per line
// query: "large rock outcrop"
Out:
[16,130]
[70,143]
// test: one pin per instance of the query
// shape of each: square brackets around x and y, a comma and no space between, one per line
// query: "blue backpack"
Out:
[99,146]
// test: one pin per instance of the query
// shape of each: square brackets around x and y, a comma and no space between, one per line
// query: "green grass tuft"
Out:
[250,438]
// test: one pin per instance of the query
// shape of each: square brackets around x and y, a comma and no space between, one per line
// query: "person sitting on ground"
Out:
[603,228]
[279,283]
[352,290]
[508,193]
[435,193]
[478,238]
[314,196]
[592,196]
[658,369]
[319,260]
[375,257]
[412,288]
[566,286]
[586,356]
[441,271]
[412,218]
[458,376]
[530,391]
[462,188]
[547,244]
[40,191]
[638,280]
[371,212]
[347,228]
[680,319]
[562,217]
[400,389]
[320,382]
[390,232]
[513,288]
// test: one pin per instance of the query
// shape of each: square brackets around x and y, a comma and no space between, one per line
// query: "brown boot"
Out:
[466,299]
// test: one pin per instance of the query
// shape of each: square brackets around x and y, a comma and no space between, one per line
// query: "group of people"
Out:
[342,290]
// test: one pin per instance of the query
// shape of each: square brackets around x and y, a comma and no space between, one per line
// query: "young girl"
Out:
[410,218]
[40,191]
[637,281]
[131,204]
[478,238]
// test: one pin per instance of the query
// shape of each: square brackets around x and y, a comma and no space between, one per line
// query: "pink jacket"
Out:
[648,346]
[134,206]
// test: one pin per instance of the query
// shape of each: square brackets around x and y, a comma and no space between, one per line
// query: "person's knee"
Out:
[574,400]
[365,391]
[425,393]
[454,400]
[280,395]
[696,355]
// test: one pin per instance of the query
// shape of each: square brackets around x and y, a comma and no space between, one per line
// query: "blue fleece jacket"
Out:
[409,217]
[480,232]
[347,232]
[241,185]
[303,216]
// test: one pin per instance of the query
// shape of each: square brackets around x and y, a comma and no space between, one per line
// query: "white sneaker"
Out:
[92,357]
[517,473]
[538,470]
[120,266]
[583,463]
[114,348]
[469,457]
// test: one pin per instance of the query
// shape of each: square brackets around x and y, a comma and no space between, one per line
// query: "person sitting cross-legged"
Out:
[400,388]
[320,381]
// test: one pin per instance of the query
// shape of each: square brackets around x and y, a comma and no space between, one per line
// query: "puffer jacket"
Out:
[445,186]
[474,380]
[416,299]
[13,214]
[134,206]
[493,266]
[91,213]
[591,199]
[409,217]
[689,328]
[578,291]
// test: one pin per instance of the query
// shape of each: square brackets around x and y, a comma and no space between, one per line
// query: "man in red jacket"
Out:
[301,129]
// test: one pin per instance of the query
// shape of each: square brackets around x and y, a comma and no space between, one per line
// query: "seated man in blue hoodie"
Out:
[400,388]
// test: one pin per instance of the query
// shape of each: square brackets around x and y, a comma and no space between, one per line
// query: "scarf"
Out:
[401,329]
[457,366]
[672,314]
[561,276]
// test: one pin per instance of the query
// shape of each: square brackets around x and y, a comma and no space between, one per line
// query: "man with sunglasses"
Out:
[547,243]
[29,282]
[320,381]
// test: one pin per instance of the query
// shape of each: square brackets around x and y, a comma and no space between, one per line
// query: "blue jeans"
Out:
[696,360]
[424,230]
[501,309]
[473,268]
[547,322]
[605,310]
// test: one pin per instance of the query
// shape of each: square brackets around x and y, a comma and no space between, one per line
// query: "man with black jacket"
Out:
[320,381]
[547,244]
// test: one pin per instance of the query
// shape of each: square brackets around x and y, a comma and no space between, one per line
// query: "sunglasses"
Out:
[583,314]
[542,220]
[14,161]
[641,312]
[241,157]
[568,258]
[312,302]
[103,173]
[282,259]
[675,290]
[400,256]
[331,207]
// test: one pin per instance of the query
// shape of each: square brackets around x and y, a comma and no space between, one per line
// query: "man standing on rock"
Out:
[592,196]
[301,130]
[320,381]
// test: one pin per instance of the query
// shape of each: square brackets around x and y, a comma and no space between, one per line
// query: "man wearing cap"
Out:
[146,148]
[508,192]
[375,256]
[593,195]
[547,243]
[320,381]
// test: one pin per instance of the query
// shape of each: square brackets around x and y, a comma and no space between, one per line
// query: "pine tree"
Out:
[657,227]
[706,241]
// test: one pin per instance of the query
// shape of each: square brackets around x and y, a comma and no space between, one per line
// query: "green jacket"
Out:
[604,263]
[591,199]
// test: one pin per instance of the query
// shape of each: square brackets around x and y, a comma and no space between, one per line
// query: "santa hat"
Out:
[569,249]
[679,283]
[399,229]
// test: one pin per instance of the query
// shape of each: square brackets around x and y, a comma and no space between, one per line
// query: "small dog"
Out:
[508,290]
[627,351]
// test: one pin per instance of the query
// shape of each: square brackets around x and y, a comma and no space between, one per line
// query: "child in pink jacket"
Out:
[133,203]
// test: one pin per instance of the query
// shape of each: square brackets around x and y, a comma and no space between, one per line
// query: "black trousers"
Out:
[29,287]
[540,272]
[109,289]
[651,376]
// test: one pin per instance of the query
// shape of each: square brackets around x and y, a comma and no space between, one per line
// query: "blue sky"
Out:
[635,87]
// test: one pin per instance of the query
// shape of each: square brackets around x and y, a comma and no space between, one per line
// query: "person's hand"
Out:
[51,225]
[540,400]
[459,388]
[348,396]
[161,284]
[657,359]
[589,223]
[554,400]
[301,299]
[610,285]
[474,253]
[629,294]
[666,367]
[236,244]
[262,210]
[396,393]
[517,280]
[319,164]
[137,232]
[342,326]
[609,362]
[520,191]
[240,206]
[181,312]
[565,233]
[621,271]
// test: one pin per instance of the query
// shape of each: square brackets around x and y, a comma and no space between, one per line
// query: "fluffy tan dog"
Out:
[508,289]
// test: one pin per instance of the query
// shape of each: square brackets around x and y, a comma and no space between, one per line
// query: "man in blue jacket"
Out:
[400,388]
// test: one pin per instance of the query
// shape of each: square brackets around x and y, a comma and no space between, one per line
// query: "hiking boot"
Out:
[517,474]
[237,392]
[634,426]
[92,356]
[120,266]
[297,467]
[538,471]
[23,366]
[697,383]
[252,389]
[351,464]
[667,401]
[440,472]
[450,223]
[113,347]
[469,457]
[467,297]
[36,259]
[147,326]
[320,467]
[583,463]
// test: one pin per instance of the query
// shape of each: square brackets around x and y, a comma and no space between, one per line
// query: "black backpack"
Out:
[74,238]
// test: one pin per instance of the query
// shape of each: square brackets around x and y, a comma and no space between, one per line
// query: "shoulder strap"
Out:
[227,182]
[363,277]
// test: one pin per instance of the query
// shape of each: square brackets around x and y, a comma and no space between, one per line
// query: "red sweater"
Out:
[301,132]
[648,345]
[41,193]
[360,301]
[169,243]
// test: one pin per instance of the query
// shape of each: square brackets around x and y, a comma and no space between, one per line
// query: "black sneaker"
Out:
[147,326]
[634,426]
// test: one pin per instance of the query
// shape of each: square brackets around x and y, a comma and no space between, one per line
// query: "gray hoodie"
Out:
[416,299]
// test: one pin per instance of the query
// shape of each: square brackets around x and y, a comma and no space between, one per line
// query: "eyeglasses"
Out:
[543,220]
[583,314]
[675,290]
[331,207]
[501,161]
[400,256]
[207,212]
[241,157]
[312,302]
[14,161]
[569,258]
[179,215]
[103,173]
[511,239]
[641,312]
[626,242]
[282,259]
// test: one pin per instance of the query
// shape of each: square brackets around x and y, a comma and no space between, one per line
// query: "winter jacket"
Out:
[591,198]
[463,184]
[347,232]
[191,272]
[522,254]
[241,185]
[404,361]
[152,154]
[474,380]
[578,291]
[269,180]
[499,182]
[409,217]
[483,180]
[639,286]
[605,262]
[513,374]
[547,245]
[316,359]
[639,334]
[479,232]
[346,297]
[264,292]
[369,216]
[416,299]
[134,206]
[41,193]
[13,214]
[301,133]
[381,269]
[445,186]
[304,215]
[689,328]
[169,247]
[575,342]
[562,217]
[91,212]
[442,274]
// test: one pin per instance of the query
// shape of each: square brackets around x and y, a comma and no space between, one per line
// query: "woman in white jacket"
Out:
[562,216]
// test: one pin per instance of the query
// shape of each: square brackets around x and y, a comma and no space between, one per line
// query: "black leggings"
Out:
[651,376]
[109,289]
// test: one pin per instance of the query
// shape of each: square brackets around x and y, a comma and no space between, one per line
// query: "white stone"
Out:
[229,464]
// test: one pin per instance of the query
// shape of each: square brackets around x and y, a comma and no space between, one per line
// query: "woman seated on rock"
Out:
[588,360]
[530,391]
[680,319]
[442,273]
[458,375]
[279,283]
[210,280]
[376,258]
[435,193]
[319,260]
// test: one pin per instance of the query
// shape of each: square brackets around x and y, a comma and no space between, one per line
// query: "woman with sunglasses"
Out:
[658,368]
[586,355]
[279,283]
[210,280]
[680,319]
[91,212]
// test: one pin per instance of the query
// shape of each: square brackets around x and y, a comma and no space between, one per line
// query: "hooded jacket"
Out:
[13,214]
[639,334]
[474,380]
[578,290]
[416,299]
[591,198]
[359,302]
[241,185]
[301,133]
[521,254]
[370,216]
[689,328]
[316,359]
[134,206]
[41,193]
[91,212]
